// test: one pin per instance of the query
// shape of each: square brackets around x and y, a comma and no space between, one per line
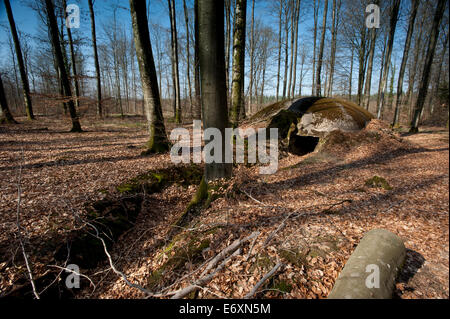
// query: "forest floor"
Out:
[310,215]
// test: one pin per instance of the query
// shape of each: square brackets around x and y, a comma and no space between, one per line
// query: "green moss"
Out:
[295,256]
[282,286]
[378,182]
[263,262]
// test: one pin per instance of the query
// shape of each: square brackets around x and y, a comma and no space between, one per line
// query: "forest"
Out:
[226,149]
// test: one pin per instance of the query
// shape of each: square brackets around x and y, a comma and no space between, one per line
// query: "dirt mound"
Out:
[376,137]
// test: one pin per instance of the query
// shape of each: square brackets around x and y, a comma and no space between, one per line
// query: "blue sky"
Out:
[27,21]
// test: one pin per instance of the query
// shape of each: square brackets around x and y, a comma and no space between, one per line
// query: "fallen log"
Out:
[371,270]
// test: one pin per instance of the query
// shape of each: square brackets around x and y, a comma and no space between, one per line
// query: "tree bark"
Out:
[279,47]
[387,60]
[213,86]
[423,89]
[5,115]
[322,43]
[158,139]
[334,25]
[176,74]
[97,65]
[238,60]
[412,19]
[373,38]
[188,54]
[198,100]
[23,74]
[54,34]
[316,18]
[252,51]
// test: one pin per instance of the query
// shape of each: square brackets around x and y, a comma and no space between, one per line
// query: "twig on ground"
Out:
[19,233]
[259,284]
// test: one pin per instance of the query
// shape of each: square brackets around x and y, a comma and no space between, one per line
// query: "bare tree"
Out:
[23,75]
[412,18]
[279,45]
[212,68]
[387,61]
[188,54]
[175,71]
[158,139]
[53,30]
[322,43]
[334,30]
[198,100]
[373,38]
[316,18]
[5,114]
[238,60]
[423,89]
[97,65]
[252,57]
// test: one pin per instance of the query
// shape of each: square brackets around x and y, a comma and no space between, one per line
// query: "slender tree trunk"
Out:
[76,127]
[350,80]
[286,49]
[296,22]
[198,100]
[158,139]
[316,18]
[252,52]
[176,80]
[23,75]
[423,89]
[438,74]
[188,54]
[5,114]
[279,47]
[373,37]
[72,58]
[227,43]
[291,63]
[212,68]
[238,60]
[412,19]
[97,65]
[334,24]
[362,57]
[322,43]
[387,61]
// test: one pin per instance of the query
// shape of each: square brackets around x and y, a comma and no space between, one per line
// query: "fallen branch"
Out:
[19,234]
[259,284]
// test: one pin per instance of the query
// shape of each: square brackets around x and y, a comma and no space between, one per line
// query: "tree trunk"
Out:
[296,21]
[334,25]
[158,140]
[423,89]
[212,68]
[97,65]
[412,19]
[279,48]
[188,54]
[350,77]
[5,115]
[238,61]
[387,60]
[322,43]
[72,58]
[316,18]
[373,38]
[286,54]
[252,51]
[176,74]
[227,44]
[76,127]
[198,100]
[23,75]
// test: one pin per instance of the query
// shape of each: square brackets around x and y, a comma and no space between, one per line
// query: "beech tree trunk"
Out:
[252,51]
[279,47]
[23,74]
[213,86]
[176,74]
[97,65]
[431,47]
[152,104]
[5,114]
[316,17]
[188,54]
[322,43]
[198,100]
[238,73]
[54,35]
[412,19]
[387,60]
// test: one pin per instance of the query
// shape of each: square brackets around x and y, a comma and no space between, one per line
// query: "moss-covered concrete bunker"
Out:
[302,122]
